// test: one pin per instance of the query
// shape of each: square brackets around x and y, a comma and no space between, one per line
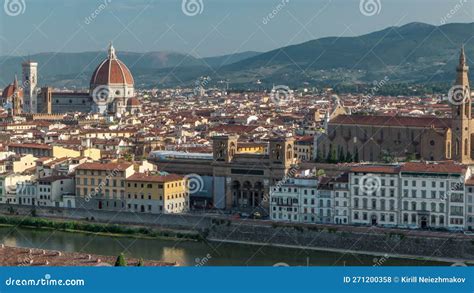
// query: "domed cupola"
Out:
[112,84]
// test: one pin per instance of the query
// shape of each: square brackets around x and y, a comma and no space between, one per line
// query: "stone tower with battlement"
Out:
[29,84]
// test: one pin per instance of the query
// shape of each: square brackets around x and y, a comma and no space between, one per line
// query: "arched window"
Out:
[466,150]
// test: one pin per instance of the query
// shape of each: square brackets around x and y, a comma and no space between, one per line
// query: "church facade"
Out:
[372,138]
[111,90]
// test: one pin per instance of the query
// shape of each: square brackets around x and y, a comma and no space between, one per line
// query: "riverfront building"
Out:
[240,175]
[407,195]
[295,201]
[117,186]
[102,185]
[470,204]
[156,194]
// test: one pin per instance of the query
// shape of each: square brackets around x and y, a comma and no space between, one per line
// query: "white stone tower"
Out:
[29,84]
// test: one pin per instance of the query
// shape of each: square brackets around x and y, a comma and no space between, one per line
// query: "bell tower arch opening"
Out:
[460,98]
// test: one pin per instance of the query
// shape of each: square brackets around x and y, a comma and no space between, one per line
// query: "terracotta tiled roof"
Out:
[433,168]
[112,71]
[424,122]
[133,102]
[104,166]
[32,257]
[30,145]
[154,178]
[376,169]
[233,128]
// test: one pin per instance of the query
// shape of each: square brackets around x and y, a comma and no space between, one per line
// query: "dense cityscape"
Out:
[283,155]
[199,133]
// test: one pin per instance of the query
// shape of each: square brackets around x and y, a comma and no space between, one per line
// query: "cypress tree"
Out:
[328,155]
[121,262]
[333,156]
[341,157]
[348,157]
[356,155]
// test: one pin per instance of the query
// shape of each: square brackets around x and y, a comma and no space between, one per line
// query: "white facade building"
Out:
[342,200]
[469,192]
[406,195]
[374,195]
[302,199]
[50,190]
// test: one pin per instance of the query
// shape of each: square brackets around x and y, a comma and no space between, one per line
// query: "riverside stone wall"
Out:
[172,221]
[456,246]
[383,243]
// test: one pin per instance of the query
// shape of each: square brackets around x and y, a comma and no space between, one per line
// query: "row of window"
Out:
[290,201]
[295,190]
[100,182]
[382,204]
[383,217]
[383,192]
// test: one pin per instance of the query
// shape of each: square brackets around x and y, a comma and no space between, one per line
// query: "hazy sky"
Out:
[224,26]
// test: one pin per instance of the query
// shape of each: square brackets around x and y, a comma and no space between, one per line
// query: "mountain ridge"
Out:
[412,53]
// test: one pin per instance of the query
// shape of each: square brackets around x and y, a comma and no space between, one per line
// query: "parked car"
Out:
[244,215]
[257,215]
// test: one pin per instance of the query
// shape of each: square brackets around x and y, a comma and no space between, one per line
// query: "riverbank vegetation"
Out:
[97,228]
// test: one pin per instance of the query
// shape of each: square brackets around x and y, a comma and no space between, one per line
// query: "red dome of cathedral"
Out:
[112,71]
[10,90]
[133,102]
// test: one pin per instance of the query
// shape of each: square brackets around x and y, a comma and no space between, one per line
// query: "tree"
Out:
[121,262]
[348,157]
[319,156]
[410,157]
[332,155]
[356,155]
[387,157]
[341,157]
[328,155]
[140,262]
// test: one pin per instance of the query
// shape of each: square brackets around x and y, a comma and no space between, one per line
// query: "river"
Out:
[188,253]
